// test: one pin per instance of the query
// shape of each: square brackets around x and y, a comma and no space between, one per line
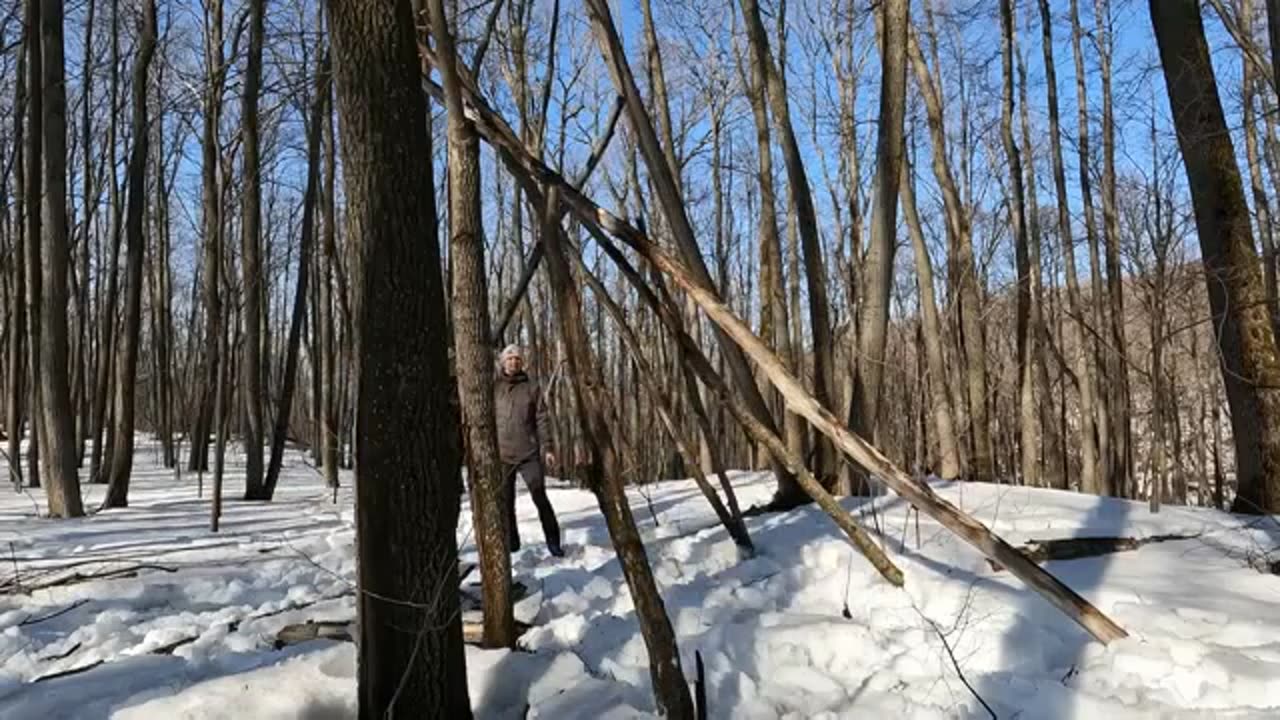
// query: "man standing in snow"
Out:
[524,442]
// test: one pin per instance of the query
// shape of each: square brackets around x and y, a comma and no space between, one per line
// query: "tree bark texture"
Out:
[59,443]
[1250,367]
[407,457]
[474,357]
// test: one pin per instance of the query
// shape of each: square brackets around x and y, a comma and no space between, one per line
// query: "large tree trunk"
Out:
[407,492]
[63,481]
[279,434]
[1079,340]
[127,368]
[1028,277]
[674,209]
[1250,368]
[473,356]
[877,274]
[251,262]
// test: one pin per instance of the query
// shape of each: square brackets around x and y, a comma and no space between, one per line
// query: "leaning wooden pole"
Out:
[733,523]
[699,364]
[669,688]
[530,171]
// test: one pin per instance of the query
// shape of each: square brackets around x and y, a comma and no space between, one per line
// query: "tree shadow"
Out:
[108,689]
[1041,651]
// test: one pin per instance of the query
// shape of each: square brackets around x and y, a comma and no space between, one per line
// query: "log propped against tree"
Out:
[530,171]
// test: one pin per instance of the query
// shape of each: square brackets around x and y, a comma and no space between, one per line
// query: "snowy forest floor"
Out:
[805,629]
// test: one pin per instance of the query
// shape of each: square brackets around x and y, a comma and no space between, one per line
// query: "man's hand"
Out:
[550,459]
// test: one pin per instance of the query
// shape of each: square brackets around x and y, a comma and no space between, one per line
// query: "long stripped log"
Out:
[532,171]
[662,403]
[699,363]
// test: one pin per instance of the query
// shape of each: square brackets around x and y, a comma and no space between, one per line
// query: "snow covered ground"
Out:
[806,629]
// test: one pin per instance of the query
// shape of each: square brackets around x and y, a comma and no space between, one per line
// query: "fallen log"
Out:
[531,171]
[345,631]
[867,456]
[1084,547]
[341,630]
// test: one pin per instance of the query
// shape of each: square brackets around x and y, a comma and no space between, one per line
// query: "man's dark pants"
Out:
[534,479]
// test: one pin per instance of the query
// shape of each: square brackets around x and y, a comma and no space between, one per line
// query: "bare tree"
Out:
[279,434]
[106,344]
[1250,367]
[932,331]
[669,687]
[805,223]
[1118,400]
[685,240]
[408,483]
[1028,277]
[1085,378]
[962,267]
[474,358]
[251,260]
[1104,480]
[127,367]
[55,394]
[215,74]
[877,273]
[18,324]
[1266,231]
